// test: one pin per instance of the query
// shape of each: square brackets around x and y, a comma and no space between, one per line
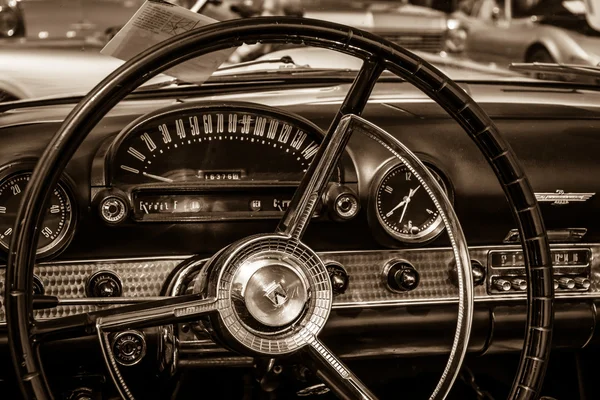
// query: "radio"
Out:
[506,270]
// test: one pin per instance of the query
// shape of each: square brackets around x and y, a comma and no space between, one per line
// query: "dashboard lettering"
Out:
[194,126]
[232,123]
[47,232]
[259,127]
[310,150]
[246,121]
[149,142]
[207,121]
[166,136]
[180,128]
[284,135]
[220,123]
[273,125]
[298,139]
[136,154]
[54,209]
[2,210]
[15,189]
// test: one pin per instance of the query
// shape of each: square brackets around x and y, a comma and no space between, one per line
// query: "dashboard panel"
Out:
[158,182]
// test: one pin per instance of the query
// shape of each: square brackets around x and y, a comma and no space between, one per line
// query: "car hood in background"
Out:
[404,18]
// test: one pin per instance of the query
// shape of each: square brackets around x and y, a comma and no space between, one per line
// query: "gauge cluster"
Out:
[194,163]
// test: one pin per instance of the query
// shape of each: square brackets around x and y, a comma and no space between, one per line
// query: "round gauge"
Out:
[57,222]
[404,207]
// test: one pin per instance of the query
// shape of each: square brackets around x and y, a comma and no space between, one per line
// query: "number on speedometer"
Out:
[214,142]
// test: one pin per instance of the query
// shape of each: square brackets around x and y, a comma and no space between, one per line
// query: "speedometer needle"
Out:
[158,178]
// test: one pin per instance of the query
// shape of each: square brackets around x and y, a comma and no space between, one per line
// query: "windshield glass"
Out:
[63,47]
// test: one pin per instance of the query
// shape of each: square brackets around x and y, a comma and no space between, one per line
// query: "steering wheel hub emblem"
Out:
[274,293]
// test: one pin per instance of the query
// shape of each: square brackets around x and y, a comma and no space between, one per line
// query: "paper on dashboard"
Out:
[157,21]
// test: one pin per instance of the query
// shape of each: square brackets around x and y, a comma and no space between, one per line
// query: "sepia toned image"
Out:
[299,199]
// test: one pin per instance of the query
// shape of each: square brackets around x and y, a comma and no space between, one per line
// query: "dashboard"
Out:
[159,181]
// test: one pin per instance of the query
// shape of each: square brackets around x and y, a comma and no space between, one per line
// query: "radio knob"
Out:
[339,277]
[555,284]
[104,284]
[582,282]
[566,283]
[401,276]
[519,284]
[502,285]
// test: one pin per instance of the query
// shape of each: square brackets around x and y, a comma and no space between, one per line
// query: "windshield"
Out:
[76,43]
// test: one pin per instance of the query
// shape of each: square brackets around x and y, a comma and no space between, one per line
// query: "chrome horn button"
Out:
[276,294]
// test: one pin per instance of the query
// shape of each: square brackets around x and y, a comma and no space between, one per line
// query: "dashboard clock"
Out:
[403,206]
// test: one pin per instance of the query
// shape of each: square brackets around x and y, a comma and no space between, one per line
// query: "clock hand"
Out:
[406,199]
[412,192]
[404,210]
[389,214]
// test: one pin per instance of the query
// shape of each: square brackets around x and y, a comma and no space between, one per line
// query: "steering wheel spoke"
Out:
[337,376]
[312,186]
[171,310]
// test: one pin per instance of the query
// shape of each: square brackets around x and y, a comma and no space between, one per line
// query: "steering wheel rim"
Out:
[458,104]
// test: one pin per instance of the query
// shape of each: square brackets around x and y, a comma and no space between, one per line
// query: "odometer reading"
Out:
[56,222]
[237,142]
[404,207]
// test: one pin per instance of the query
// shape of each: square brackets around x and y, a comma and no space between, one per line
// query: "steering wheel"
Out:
[241,314]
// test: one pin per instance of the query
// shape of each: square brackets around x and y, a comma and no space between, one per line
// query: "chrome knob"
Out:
[339,277]
[129,347]
[478,271]
[113,210]
[502,285]
[519,284]
[555,284]
[582,282]
[566,283]
[401,276]
[104,284]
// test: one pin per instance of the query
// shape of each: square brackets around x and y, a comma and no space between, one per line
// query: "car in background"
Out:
[412,26]
[12,24]
[75,19]
[549,31]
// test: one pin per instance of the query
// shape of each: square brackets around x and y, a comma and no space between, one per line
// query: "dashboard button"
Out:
[582,283]
[502,285]
[566,283]
[519,284]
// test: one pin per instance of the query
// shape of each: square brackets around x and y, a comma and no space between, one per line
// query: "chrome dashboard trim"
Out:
[144,276]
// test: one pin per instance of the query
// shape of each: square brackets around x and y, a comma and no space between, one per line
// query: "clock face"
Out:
[405,208]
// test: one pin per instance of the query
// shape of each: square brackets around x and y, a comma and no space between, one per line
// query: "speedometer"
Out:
[213,143]
[207,162]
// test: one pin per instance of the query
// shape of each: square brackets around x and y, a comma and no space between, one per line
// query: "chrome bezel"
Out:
[142,338]
[428,234]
